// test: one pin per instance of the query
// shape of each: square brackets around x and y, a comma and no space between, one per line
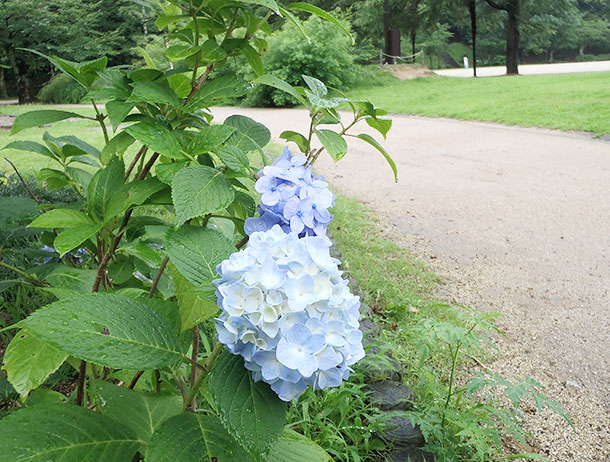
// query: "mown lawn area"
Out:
[567,102]
[87,130]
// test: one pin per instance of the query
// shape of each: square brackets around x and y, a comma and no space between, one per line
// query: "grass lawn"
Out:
[87,130]
[567,102]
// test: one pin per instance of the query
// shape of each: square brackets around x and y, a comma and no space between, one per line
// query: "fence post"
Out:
[380,57]
[423,59]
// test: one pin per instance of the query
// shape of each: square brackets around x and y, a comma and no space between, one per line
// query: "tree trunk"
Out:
[473,30]
[3,90]
[512,38]
[413,38]
[20,77]
[386,30]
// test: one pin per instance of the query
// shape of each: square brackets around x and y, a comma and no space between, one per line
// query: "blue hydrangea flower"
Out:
[77,255]
[292,198]
[288,312]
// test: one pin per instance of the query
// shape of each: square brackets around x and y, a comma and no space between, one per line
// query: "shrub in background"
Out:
[61,89]
[325,55]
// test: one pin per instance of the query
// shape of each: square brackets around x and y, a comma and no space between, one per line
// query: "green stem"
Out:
[207,366]
[20,272]
[100,118]
[314,156]
[454,355]
[198,54]
[194,372]
[454,358]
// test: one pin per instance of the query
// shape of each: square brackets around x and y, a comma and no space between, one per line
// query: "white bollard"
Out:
[465,62]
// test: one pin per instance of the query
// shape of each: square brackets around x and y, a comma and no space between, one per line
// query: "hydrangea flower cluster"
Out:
[288,312]
[292,198]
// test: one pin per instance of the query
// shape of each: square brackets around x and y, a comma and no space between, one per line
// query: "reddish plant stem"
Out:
[101,272]
[241,243]
[80,385]
[202,80]
[135,379]
[180,387]
[158,277]
[101,275]
[148,166]
[133,164]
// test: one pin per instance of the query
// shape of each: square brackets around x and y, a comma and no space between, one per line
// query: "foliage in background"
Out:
[322,54]
[22,247]
[61,89]
[75,29]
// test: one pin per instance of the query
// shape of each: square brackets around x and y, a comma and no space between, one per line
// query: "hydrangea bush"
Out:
[289,314]
[134,289]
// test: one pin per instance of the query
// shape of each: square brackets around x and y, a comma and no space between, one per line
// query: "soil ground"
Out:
[409,71]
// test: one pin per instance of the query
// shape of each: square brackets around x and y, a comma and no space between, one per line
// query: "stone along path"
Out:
[516,220]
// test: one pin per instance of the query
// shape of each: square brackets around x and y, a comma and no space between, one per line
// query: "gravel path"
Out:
[516,220]
[531,69]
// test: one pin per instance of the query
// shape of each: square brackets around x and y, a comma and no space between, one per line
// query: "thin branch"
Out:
[100,118]
[158,277]
[22,273]
[202,80]
[33,196]
[25,185]
[148,166]
[180,387]
[101,271]
[207,366]
[497,6]
[243,242]
[140,153]
[157,376]
[191,362]
[80,385]
[135,379]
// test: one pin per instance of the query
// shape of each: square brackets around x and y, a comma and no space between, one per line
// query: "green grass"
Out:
[87,130]
[578,102]
[393,282]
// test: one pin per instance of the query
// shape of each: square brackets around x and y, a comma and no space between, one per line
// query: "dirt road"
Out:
[516,220]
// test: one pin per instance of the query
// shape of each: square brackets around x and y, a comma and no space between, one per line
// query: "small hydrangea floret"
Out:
[292,198]
[289,313]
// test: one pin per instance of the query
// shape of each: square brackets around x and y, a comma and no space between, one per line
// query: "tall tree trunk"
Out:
[473,30]
[20,77]
[513,9]
[3,90]
[386,30]
[512,37]
[413,37]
